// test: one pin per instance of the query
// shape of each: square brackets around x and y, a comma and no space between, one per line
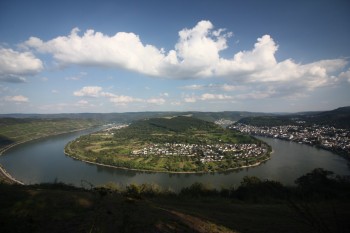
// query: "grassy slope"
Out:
[20,130]
[60,208]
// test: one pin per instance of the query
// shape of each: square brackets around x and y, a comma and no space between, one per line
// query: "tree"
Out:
[317,177]
[250,181]
[317,184]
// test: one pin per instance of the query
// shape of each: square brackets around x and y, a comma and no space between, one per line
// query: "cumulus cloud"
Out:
[345,75]
[83,102]
[195,55]
[123,99]
[97,91]
[16,99]
[157,101]
[16,66]
[270,92]
[194,87]
[90,91]
[222,87]
[192,56]
[123,50]
[165,94]
[209,96]
[190,99]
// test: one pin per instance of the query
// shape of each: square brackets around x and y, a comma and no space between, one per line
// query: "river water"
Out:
[43,160]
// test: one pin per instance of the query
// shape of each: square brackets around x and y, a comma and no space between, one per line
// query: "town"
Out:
[111,127]
[207,153]
[326,137]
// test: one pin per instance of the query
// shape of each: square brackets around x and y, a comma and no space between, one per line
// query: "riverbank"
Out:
[6,177]
[170,172]
[288,162]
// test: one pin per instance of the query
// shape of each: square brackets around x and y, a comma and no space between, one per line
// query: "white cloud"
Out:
[90,91]
[209,96]
[165,94]
[257,94]
[123,50]
[16,99]
[123,99]
[119,99]
[222,87]
[191,99]
[345,75]
[15,66]
[157,101]
[195,55]
[84,104]
[227,87]
[194,87]
[96,91]
[176,103]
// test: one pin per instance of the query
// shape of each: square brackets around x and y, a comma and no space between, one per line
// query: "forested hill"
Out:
[128,117]
[339,118]
[177,124]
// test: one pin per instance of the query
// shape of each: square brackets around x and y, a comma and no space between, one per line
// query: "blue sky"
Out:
[122,56]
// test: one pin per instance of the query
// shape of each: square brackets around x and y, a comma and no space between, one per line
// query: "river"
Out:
[43,160]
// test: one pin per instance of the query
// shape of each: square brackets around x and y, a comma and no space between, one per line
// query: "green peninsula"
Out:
[173,144]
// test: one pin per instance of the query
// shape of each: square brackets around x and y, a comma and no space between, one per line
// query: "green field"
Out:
[13,130]
[116,147]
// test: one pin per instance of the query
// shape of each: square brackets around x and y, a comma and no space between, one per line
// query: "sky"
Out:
[201,55]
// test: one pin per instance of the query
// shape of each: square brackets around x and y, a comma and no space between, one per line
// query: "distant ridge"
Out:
[339,118]
[134,116]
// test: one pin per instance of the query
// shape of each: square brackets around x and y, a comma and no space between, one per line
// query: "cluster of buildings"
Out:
[114,127]
[330,138]
[224,122]
[206,153]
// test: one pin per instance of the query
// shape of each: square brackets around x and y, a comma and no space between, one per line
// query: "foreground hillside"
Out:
[319,203]
[173,144]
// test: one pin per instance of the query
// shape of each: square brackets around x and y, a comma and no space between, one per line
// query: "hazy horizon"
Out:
[58,113]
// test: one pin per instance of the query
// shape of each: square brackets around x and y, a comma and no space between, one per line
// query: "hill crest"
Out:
[177,124]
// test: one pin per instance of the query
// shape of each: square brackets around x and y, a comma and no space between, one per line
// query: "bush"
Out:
[322,184]
[198,190]
[255,190]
